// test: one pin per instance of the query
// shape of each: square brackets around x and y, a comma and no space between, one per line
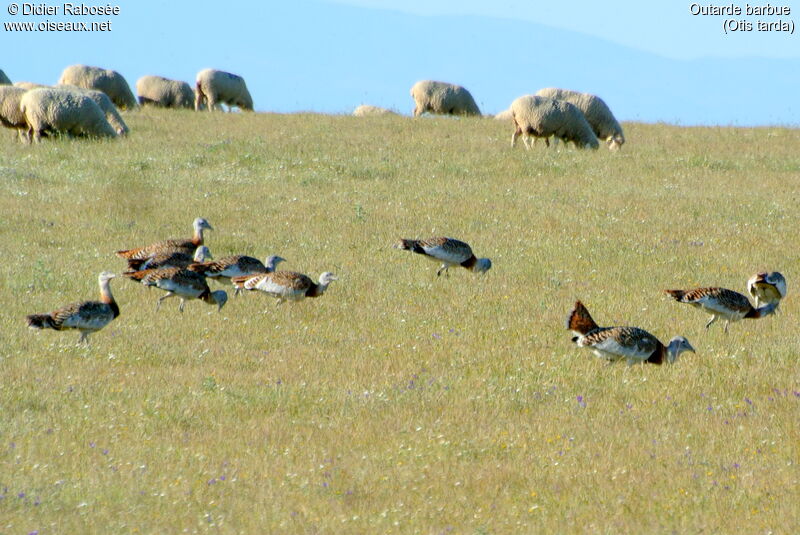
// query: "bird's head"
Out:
[482,265]
[676,346]
[272,262]
[201,224]
[202,253]
[326,278]
[218,297]
[105,276]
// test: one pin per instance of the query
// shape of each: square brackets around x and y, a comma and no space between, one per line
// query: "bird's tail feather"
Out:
[579,320]
[40,321]
[677,295]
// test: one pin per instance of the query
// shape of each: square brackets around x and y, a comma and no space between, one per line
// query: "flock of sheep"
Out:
[84,103]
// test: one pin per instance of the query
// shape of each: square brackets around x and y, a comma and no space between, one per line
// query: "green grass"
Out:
[399,402]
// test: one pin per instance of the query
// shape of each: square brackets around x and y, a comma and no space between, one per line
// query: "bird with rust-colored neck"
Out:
[187,246]
[449,251]
[722,303]
[86,317]
[285,285]
[767,287]
[631,344]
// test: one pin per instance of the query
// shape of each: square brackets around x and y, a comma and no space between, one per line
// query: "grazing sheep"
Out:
[101,99]
[4,80]
[56,110]
[109,82]
[10,114]
[597,113]
[164,93]
[504,115]
[366,110]
[545,117]
[215,87]
[28,85]
[442,98]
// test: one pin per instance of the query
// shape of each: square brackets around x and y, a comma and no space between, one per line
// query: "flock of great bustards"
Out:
[181,267]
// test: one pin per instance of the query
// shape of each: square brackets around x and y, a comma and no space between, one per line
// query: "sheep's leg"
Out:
[514,137]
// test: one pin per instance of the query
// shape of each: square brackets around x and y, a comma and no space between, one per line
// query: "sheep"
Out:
[28,85]
[365,110]
[442,98]
[215,87]
[545,117]
[504,115]
[58,110]
[602,121]
[4,80]
[109,82]
[10,114]
[101,99]
[163,92]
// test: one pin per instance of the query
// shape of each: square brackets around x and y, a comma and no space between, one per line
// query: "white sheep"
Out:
[163,92]
[4,80]
[109,82]
[215,87]
[101,99]
[366,110]
[28,85]
[58,110]
[442,98]
[11,115]
[542,117]
[504,115]
[602,121]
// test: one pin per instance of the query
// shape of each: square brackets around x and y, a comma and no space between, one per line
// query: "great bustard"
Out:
[285,285]
[631,344]
[767,287]
[224,269]
[181,283]
[447,251]
[86,317]
[722,303]
[187,246]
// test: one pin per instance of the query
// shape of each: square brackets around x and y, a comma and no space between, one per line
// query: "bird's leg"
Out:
[713,319]
[727,322]
[444,266]
[83,338]
[165,296]
[180,307]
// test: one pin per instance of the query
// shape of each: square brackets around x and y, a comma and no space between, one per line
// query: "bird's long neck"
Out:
[760,312]
[661,354]
[197,238]
[107,297]
[672,351]
[470,262]
[317,289]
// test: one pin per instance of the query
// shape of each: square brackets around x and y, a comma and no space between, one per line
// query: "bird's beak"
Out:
[691,348]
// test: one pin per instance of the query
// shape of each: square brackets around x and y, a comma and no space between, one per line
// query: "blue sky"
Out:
[651,61]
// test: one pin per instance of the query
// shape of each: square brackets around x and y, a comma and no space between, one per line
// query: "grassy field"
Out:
[399,402]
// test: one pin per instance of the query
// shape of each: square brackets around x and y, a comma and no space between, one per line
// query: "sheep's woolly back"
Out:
[109,82]
[504,115]
[442,98]
[545,117]
[4,80]
[101,99]
[163,92]
[11,115]
[28,85]
[365,110]
[219,87]
[64,111]
[597,112]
